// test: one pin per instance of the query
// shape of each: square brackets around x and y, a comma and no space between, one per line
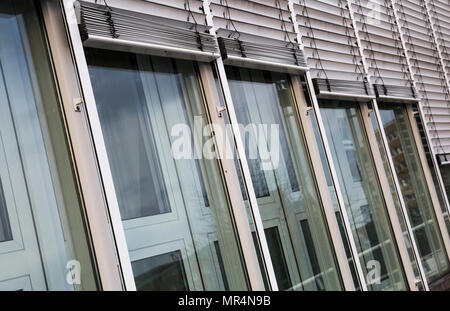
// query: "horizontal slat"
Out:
[173,9]
[280,54]
[329,39]
[380,40]
[103,26]
[427,69]
[269,19]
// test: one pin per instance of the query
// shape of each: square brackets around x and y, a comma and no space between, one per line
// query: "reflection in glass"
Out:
[291,211]
[445,173]
[414,190]
[362,194]
[162,272]
[444,170]
[171,198]
[333,195]
[42,223]
[5,229]
[396,199]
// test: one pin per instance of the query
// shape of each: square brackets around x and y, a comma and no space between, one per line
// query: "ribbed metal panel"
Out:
[427,70]
[329,40]
[107,25]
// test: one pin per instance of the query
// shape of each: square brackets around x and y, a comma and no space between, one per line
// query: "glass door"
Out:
[172,199]
[362,195]
[291,210]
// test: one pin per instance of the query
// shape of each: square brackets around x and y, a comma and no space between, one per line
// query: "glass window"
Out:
[362,196]
[291,210]
[5,227]
[395,197]
[161,272]
[444,170]
[414,190]
[445,173]
[43,241]
[172,199]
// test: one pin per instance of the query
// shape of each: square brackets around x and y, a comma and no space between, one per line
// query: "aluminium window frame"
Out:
[393,173]
[90,112]
[84,156]
[419,146]
[319,174]
[422,112]
[90,151]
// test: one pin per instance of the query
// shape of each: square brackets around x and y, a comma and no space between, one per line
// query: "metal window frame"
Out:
[433,192]
[387,194]
[422,115]
[400,196]
[92,189]
[336,185]
[90,151]
[230,175]
[394,217]
[419,145]
[302,110]
[253,204]
[447,80]
[98,144]
[422,156]
[231,179]
[329,159]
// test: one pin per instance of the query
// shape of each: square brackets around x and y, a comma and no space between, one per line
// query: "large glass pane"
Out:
[43,241]
[414,190]
[291,210]
[362,195]
[172,199]
[5,227]
[445,173]
[395,196]
[444,170]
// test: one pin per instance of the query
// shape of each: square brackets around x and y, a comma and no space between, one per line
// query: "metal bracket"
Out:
[221,109]
[77,103]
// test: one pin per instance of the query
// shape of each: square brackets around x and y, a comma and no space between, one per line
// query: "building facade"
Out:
[225,145]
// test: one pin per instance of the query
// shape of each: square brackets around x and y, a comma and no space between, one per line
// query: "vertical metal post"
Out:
[99,144]
[391,209]
[243,159]
[334,176]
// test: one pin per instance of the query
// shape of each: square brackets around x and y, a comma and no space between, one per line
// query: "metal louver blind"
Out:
[106,26]
[440,17]
[257,34]
[427,71]
[383,50]
[331,47]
